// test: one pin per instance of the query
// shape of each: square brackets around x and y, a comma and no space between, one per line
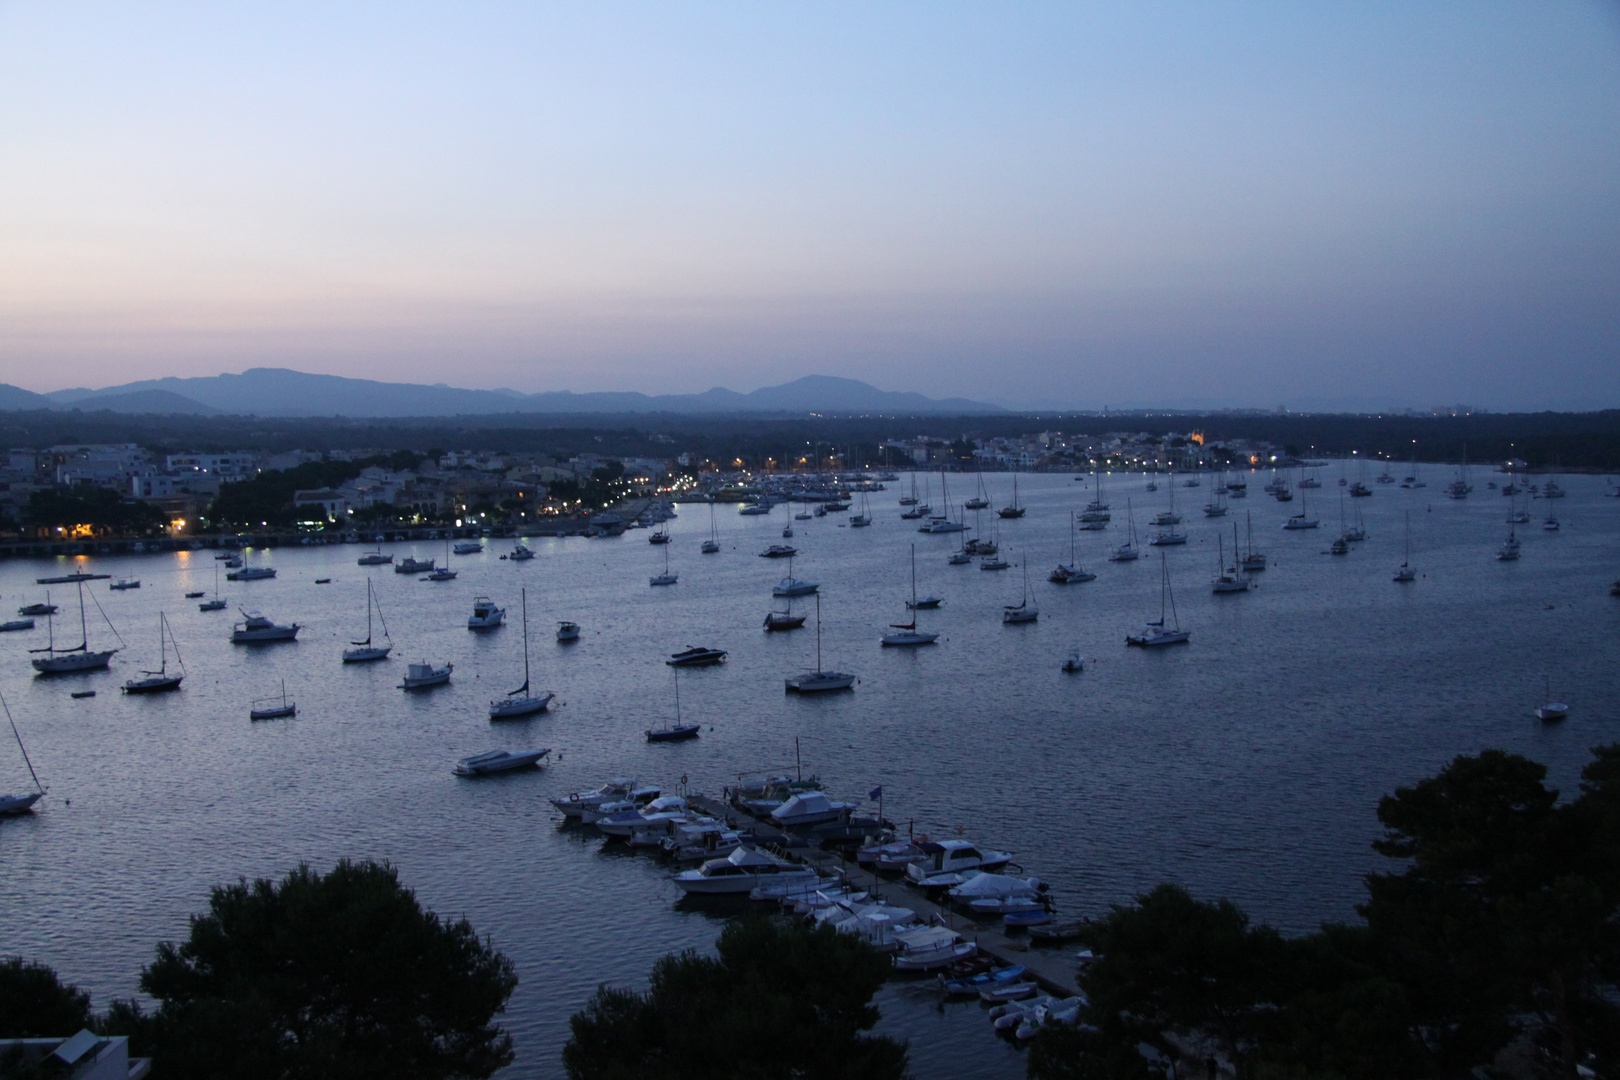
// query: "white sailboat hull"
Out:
[79,661]
[512,707]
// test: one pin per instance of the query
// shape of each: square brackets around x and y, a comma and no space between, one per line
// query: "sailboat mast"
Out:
[37,785]
[84,631]
[526,639]
[818,634]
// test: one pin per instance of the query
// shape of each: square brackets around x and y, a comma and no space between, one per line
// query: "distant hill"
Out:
[16,398]
[282,392]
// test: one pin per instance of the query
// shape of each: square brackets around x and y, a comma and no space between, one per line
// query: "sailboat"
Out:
[1013,511]
[155,682]
[1509,551]
[711,546]
[218,602]
[1070,572]
[273,708]
[1301,520]
[911,500]
[365,650]
[11,805]
[1406,573]
[1252,560]
[1169,517]
[981,499]
[1158,633]
[520,702]
[1127,552]
[1229,579]
[1550,710]
[676,731]
[819,681]
[941,522]
[1023,611]
[666,578]
[909,634]
[792,586]
[80,657]
[1341,546]
[1216,507]
[862,519]
[783,620]
[1099,505]
[443,573]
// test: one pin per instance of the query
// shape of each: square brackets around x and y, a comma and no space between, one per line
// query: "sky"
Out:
[1251,204]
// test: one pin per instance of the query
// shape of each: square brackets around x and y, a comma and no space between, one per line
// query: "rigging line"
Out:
[108,621]
[20,745]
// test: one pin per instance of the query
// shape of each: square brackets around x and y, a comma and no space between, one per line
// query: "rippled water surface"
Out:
[1245,764]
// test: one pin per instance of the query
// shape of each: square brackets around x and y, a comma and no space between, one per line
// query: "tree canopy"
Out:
[342,974]
[1502,922]
[778,1001]
[34,1004]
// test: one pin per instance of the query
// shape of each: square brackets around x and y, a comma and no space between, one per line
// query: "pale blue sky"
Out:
[1243,203]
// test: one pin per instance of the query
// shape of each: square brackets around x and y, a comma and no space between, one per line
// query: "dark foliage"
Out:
[106,512]
[336,975]
[778,1001]
[34,1004]
[267,499]
[1504,921]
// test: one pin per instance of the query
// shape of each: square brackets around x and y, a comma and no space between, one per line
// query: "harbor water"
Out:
[1247,763]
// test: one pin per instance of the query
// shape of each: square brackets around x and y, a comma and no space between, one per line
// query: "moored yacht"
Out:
[744,870]
[423,675]
[498,761]
[485,615]
[254,627]
[521,702]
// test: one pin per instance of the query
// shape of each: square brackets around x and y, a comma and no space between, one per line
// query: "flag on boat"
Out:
[877,792]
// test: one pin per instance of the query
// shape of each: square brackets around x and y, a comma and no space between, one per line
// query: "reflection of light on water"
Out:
[1248,764]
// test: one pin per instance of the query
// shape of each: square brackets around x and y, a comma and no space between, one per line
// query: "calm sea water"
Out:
[1247,764]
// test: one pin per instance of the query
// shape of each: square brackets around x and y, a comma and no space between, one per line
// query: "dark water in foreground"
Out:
[1247,764]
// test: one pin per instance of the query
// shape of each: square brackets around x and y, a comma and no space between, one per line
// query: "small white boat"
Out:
[1550,710]
[945,862]
[498,761]
[744,870]
[909,635]
[16,624]
[567,631]
[485,615]
[792,586]
[273,708]
[467,547]
[696,657]
[412,565]
[779,551]
[521,553]
[255,628]
[423,675]
[926,948]
[1024,611]
[251,573]
[810,808]
[374,558]
[666,578]
[621,789]
[818,681]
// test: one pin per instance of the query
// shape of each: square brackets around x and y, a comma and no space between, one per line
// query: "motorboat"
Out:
[567,631]
[498,761]
[893,855]
[621,789]
[969,986]
[998,993]
[960,558]
[792,586]
[16,624]
[659,537]
[744,870]
[926,948]
[995,887]
[945,862]
[467,547]
[365,651]
[1159,632]
[818,681]
[779,551]
[1074,663]
[423,675]
[125,583]
[374,558]
[1168,538]
[810,808]
[14,805]
[926,602]
[696,657]
[521,702]
[159,681]
[78,658]
[196,595]
[46,608]
[254,628]
[994,563]
[251,573]
[273,708]
[411,565]
[485,615]
[521,553]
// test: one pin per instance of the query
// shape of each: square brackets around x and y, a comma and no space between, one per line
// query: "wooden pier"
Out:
[1054,968]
